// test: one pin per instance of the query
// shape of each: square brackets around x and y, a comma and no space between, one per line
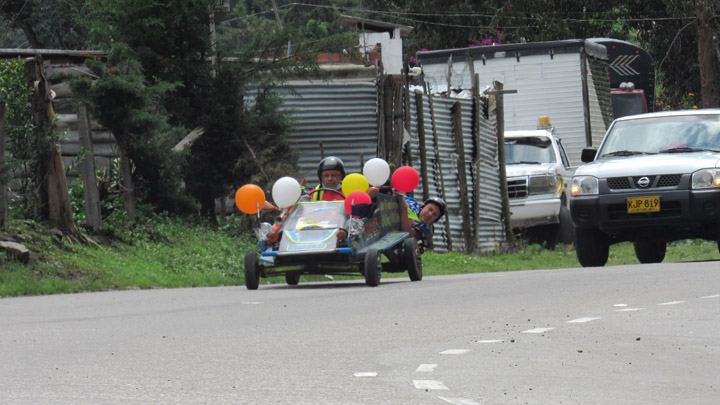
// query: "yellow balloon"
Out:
[354,182]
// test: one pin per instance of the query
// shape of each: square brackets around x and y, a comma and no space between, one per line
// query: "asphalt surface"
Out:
[639,334]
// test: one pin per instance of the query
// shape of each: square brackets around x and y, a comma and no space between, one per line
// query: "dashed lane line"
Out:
[454,351]
[537,330]
[672,303]
[711,296]
[583,320]
[490,341]
[459,401]
[629,309]
[365,374]
[426,368]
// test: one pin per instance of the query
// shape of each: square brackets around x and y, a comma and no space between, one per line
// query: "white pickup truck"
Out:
[538,170]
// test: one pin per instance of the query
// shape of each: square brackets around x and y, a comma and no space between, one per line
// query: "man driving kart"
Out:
[331,172]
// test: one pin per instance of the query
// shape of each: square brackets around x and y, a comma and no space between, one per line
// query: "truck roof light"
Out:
[543,122]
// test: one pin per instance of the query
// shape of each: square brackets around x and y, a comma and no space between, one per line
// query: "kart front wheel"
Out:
[373,267]
[292,278]
[411,259]
[252,275]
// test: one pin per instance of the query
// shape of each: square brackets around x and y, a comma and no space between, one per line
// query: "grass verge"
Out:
[172,253]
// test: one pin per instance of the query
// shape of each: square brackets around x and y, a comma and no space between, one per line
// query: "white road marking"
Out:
[365,374]
[455,351]
[429,385]
[252,303]
[582,320]
[490,341]
[620,305]
[712,296]
[459,401]
[671,303]
[629,309]
[426,368]
[538,330]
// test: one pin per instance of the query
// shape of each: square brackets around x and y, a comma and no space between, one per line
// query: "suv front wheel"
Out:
[592,247]
[650,251]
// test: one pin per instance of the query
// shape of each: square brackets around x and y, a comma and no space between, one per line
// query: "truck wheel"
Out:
[252,275]
[292,278]
[650,251]
[373,267]
[591,247]
[566,230]
[410,257]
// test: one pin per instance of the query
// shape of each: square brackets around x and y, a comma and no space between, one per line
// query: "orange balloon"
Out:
[250,199]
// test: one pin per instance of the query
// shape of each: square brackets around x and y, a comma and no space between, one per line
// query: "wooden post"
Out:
[90,189]
[388,120]
[462,175]
[406,104]
[421,144]
[381,118]
[500,110]
[398,125]
[439,173]
[449,74]
[3,184]
[477,180]
[43,116]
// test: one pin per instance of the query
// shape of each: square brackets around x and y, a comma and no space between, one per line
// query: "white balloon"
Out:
[285,191]
[376,171]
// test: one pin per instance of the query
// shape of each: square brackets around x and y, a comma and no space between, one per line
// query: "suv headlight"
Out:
[706,178]
[544,184]
[584,185]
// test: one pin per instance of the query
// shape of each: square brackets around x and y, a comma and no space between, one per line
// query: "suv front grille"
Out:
[517,188]
[669,180]
[626,183]
[618,183]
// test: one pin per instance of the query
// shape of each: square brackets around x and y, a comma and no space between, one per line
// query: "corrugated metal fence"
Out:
[342,116]
[445,165]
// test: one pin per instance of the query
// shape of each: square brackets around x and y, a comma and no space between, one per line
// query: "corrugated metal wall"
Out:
[341,115]
[482,175]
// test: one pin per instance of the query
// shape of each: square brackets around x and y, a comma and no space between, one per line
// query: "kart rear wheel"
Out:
[373,267]
[292,278]
[252,274]
[411,259]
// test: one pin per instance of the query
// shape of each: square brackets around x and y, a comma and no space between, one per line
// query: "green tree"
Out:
[43,23]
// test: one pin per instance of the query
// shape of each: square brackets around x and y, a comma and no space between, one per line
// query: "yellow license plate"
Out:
[643,204]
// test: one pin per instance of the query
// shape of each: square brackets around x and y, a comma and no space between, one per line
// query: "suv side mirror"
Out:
[588,155]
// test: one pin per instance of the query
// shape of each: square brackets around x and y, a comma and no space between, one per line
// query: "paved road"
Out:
[642,334]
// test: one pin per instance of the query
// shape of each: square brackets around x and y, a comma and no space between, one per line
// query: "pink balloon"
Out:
[355,198]
[405,179]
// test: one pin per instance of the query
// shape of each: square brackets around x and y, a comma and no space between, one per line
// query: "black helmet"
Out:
[331,163]
[437,201]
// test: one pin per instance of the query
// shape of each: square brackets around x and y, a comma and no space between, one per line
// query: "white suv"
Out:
[654,179]
[537,170]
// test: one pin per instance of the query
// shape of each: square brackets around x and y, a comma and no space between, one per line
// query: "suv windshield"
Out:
[672,134]
[528,150]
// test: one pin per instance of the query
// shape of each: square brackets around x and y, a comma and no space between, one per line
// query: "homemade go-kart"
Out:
[320,237]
